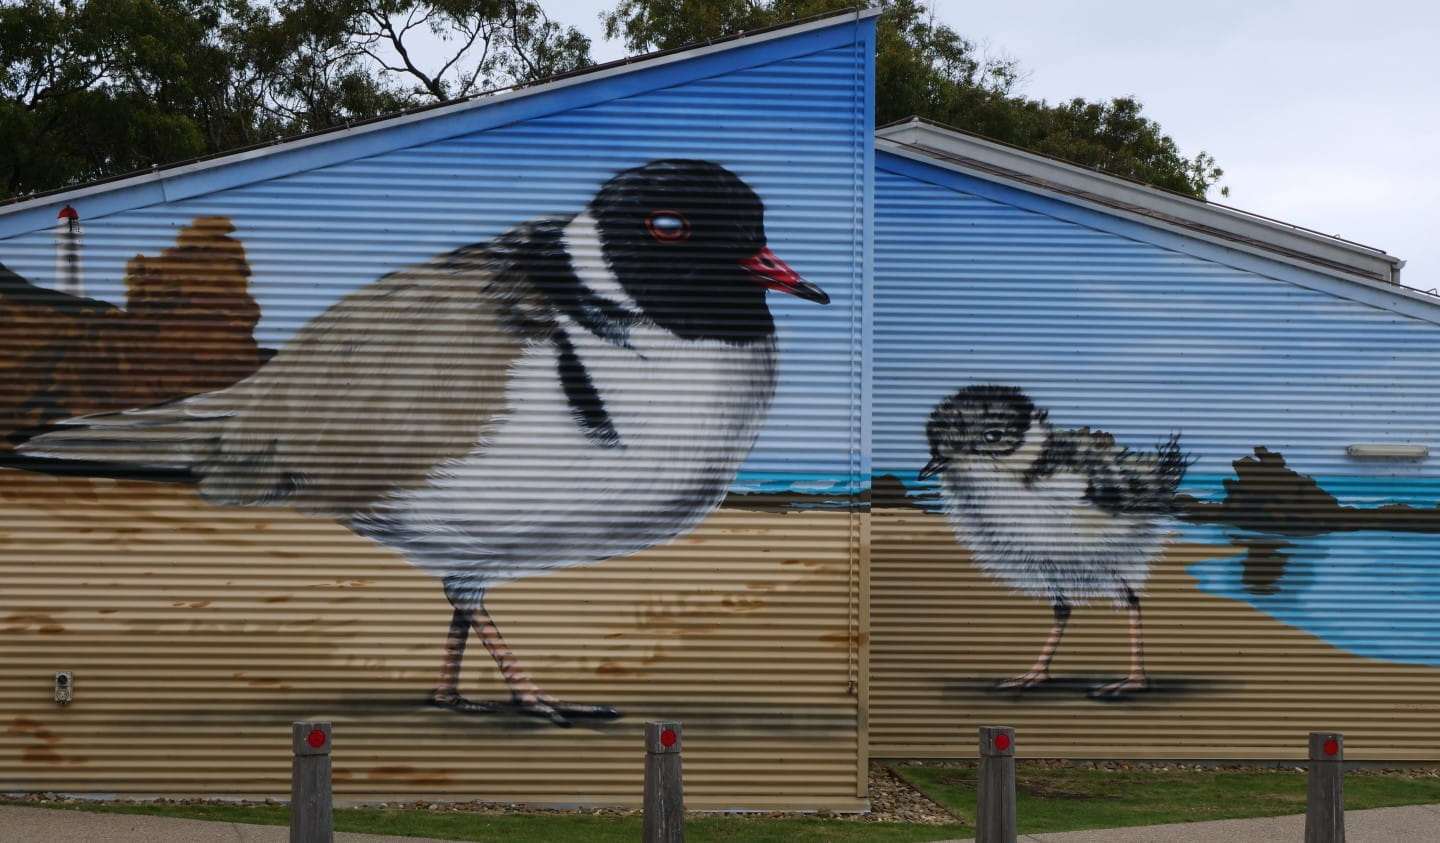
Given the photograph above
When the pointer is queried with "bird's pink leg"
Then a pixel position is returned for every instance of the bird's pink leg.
(523, 691)
(447, 689)
(522, 687)
(449, 683)
(1137, 680)
(1040, 671)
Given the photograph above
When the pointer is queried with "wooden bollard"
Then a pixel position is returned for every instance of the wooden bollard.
(311, 801)
(995, 810)
(664, 820)
(1325, 799)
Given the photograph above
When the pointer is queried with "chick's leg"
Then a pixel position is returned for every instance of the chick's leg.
(1136, 681)
(1040, 671)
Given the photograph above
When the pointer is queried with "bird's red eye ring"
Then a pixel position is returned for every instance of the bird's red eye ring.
(668, 226)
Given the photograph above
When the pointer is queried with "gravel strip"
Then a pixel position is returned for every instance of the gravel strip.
(893, 800)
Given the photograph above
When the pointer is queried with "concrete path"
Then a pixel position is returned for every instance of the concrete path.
(1410, 824)
(23, 824)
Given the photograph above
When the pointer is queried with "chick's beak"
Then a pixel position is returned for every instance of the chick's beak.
(770, 271)
(935, 466)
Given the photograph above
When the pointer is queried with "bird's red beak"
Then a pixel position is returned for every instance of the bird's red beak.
(772, 272)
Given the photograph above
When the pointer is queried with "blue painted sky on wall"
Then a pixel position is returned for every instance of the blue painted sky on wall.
(1126, 336)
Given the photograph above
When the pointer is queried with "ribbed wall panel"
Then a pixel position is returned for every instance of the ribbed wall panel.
(1254, 633)
(197, 632)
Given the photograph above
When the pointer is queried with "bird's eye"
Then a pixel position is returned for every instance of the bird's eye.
(993, 435)
(668, 226)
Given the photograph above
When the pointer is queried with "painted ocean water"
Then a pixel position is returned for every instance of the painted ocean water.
(779, 482)
(1375, 593)
(1370, 592)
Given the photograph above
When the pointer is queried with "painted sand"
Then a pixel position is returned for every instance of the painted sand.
(199, 633)
(1229, 680)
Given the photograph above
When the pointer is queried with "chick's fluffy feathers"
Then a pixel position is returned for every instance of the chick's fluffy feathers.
(1118, 480)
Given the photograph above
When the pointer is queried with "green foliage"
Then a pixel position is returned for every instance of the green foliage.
(647, 25)
(96, 88)
(88, 90)
(485, 44)
(927, 69)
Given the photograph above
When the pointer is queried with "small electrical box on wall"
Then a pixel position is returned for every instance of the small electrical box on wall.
(64, 687)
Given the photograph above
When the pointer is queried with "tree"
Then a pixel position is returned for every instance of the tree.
(96, 88)
(927, 69)
(482, 44)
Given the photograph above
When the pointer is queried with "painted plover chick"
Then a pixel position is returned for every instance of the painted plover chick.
(576, 389)
(1064, 515)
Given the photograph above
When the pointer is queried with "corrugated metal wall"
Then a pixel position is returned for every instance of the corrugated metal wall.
(197, 632)
(1287, 598)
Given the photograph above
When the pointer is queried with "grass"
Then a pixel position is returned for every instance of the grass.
(540, 828)
(1050, 796)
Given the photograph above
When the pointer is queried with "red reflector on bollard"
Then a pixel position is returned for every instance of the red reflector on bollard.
(667, 737)
(316, 738)
(1002, 741)
(1331, 747)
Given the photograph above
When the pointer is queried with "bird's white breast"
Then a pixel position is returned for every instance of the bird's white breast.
(538, 493)
(1043, 537)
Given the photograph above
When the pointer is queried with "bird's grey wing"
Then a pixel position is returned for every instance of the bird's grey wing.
(368, 397)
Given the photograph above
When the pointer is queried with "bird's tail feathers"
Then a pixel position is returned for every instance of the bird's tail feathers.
(1171, 463)
(166, 437)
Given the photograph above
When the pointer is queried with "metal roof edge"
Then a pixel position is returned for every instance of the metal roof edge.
(1135, 200)
(178, 181)
(917, 163)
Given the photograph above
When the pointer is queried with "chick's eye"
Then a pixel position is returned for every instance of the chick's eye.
(993, 435)
(668, 226)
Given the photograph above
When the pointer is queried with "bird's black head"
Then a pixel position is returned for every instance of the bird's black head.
(686, 239)
(984, 420)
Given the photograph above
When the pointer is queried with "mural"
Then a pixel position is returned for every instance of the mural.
(1065, 515)
(578, 388)
(1289, 581)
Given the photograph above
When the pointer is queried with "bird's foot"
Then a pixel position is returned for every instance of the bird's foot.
(1123, 689)
(452, 700)
(559, 711)
(1024, 681)
(546, 707)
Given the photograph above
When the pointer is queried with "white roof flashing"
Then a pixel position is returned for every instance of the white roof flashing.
(1232, 228)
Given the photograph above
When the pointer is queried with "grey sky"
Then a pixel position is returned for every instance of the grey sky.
(1322, 113)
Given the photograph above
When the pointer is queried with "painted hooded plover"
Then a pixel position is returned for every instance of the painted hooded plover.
(1064, 515)
(576, 389)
